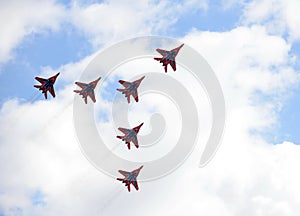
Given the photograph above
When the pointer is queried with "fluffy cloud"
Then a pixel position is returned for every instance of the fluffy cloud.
(22, 18)
(114, 20)
(280, 16)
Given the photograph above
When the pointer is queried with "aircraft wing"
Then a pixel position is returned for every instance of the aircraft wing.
(173, 65)
(52, 92)
(124, 130)
(92, 96)
(135, 95)
(124, 173)
(128, 98)
(94, 83)
(81, 85)
(176, 50)
(41, 80)
(45, 94)
(125, 83)
(135, 141)
(126, 93)
(52, 79)
(162, 52)
(135, 184)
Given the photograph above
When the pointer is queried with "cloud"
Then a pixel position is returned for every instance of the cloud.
(280, 16)
(248, 176)
(22, 18)
(111, 21)
(102, 23)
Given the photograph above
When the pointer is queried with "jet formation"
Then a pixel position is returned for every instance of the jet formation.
(130, 135)
(130, 178)
(87, 89)
(168, 57)
(47, 85)
(131, 89)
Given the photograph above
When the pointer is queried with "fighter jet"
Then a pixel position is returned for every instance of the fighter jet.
(168, 57)
(130, 135)
(47, 85)
(131, 88)
(130, 178)
(87, 89)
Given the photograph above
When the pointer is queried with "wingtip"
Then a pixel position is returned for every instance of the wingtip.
(97, 80)
(181, 46)
(137, 128)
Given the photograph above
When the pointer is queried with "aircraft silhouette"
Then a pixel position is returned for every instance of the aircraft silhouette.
(87, 89)
(130, 135)
(47, 85)
(130, 178)
(131, 88)
(168, 57)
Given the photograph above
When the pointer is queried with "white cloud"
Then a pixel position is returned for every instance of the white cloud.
(111, 21)
(22, 18)
(280, 16)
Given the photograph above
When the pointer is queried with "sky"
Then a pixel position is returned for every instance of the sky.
(253, 46)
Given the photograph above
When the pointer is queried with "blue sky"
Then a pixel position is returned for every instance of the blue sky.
(215, 18)
(40, 50)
